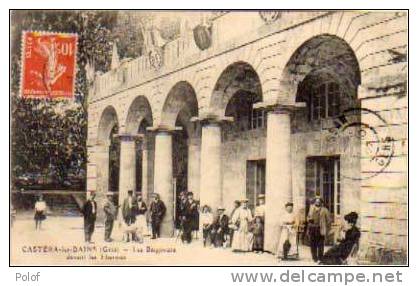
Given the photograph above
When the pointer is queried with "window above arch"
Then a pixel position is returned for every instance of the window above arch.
(324, 100)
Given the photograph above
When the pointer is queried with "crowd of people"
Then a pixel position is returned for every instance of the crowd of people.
(242, 230)
(134, 212)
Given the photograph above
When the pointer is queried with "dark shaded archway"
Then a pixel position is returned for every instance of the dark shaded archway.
(138, 119)
(114, 160)
(180, 106)
(326, 54)
(238, 80)
(108, 128)
(237, 89)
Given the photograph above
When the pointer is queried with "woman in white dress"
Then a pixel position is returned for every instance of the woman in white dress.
(141, 219)
(242, 240)
(206, 220)
(288, 234)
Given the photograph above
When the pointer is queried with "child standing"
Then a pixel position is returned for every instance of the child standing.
(258, 232)
(40, 210)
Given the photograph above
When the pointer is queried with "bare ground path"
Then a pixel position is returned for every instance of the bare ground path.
(61, 242)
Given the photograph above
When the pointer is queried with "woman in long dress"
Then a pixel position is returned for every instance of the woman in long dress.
(287, 246)
(141, 219)
(206, 221)
(242, 240)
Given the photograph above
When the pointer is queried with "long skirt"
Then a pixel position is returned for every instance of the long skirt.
(243, 239)
(141, 224)
(287, 239)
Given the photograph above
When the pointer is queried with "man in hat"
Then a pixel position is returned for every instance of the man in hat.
(189, 215)
(129, 211)
(242, 219)
(219, 228)
(110, 212)
(89, 212)
(260, 210)
(180, 207)
(319, 222)
(157, 210)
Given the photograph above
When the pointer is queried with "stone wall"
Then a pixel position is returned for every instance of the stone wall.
(379, 42)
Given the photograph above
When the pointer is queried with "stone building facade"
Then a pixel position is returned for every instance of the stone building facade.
(290, 104)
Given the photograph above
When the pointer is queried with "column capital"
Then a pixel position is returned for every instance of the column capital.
(193, 141)
(280, 107)
(128, 137)
(164, 128)
(211, 118)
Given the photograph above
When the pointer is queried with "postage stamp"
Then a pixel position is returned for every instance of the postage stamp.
(48, 65)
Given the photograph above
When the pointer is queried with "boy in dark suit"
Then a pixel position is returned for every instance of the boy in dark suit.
(157, 210)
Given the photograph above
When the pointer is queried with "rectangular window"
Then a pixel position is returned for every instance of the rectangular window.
(258, 118)
(324, 101)
(256, 180)
(316, 104)
(333, 99)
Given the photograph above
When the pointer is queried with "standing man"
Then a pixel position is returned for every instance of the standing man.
(110, 211)
(89, 212)
(157, 209)
(319, 221)
(180, 207)
(189, 215)
(129, 212)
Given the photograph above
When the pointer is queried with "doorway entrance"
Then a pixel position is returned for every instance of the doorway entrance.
(323, 179)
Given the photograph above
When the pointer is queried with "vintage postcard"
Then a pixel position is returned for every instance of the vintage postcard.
(172, 138)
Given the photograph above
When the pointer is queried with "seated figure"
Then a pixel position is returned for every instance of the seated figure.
(337, 254)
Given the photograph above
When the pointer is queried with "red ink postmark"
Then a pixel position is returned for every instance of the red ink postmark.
(48, 65)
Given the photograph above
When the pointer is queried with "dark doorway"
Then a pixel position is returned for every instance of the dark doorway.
(256, 181)
(180, 159)
(139, 146)
(114, 161)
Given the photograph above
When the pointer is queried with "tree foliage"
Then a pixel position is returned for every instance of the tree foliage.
(49, 137)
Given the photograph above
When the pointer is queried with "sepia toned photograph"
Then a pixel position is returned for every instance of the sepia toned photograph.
(208, 137)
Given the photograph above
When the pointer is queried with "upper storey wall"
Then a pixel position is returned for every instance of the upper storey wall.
(377, 39)
(229, 31)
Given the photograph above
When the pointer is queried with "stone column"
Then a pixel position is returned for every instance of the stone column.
(127, 166)
(144, 187)
(278, 173)
(163, 178)
(211, 165)
(193, 167)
